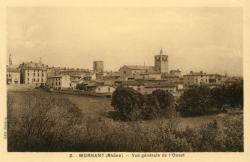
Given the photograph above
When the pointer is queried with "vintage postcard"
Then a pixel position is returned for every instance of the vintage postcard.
(125, 80)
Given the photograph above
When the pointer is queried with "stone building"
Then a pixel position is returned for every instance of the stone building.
(33, 73)
(161, 63)
(59, 82)
(98, 66)
(134, 72)
(13, 75)
(195, 78)
(175, 73)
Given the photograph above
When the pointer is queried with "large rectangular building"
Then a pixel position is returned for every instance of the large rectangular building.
(33, 73)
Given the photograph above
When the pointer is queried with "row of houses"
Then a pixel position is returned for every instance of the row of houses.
(63, 82)
(144, 79)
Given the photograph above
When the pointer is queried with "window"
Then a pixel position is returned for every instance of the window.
(42, 80)
(108, 89)
(38, 74)
(34, 80)
(124, 72)
(34, 74)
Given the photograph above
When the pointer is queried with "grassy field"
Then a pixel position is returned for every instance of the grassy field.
(100, 107)
(43, 121)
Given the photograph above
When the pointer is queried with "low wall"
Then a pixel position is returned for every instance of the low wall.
(20, 87)
(79, 92)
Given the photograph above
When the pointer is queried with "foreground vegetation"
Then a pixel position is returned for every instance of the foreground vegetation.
(42, 122)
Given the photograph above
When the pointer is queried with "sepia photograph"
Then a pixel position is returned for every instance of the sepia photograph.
(124, 79)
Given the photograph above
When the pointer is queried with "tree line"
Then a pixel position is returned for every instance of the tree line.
(195, 101)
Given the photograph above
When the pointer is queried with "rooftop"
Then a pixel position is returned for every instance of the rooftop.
(33, 65)
(57, 76)
(139, 67)
(13, 68)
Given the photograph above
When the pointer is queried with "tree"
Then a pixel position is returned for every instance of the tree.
(219, 96)
(235, 94)
(227, 95)
(195, 101)
(132, 105)
(164, 102)
(127, 102)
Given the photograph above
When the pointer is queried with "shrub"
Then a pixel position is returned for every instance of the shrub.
(42, 123)
(233, 130)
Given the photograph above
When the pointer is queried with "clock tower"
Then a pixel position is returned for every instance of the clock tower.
(161, 63)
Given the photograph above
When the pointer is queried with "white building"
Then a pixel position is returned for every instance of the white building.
(105, 89)
(195, 78)
(59, 82)
(33, 73)
(13, 75)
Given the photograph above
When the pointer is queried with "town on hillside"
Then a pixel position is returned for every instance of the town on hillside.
(144, 79)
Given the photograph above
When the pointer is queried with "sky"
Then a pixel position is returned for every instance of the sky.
(194, 38)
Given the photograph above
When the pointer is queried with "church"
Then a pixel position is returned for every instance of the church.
(131, 72)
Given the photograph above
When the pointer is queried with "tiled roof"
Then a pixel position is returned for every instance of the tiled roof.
(13, 68)
(139, 67)
(57, 76)
(33, 65)
(160, 86)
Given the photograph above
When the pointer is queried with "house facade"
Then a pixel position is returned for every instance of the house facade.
(195, 78)
(133, 72)
(104, 89)
(13, 75)
(33, 73)
(59, 82)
